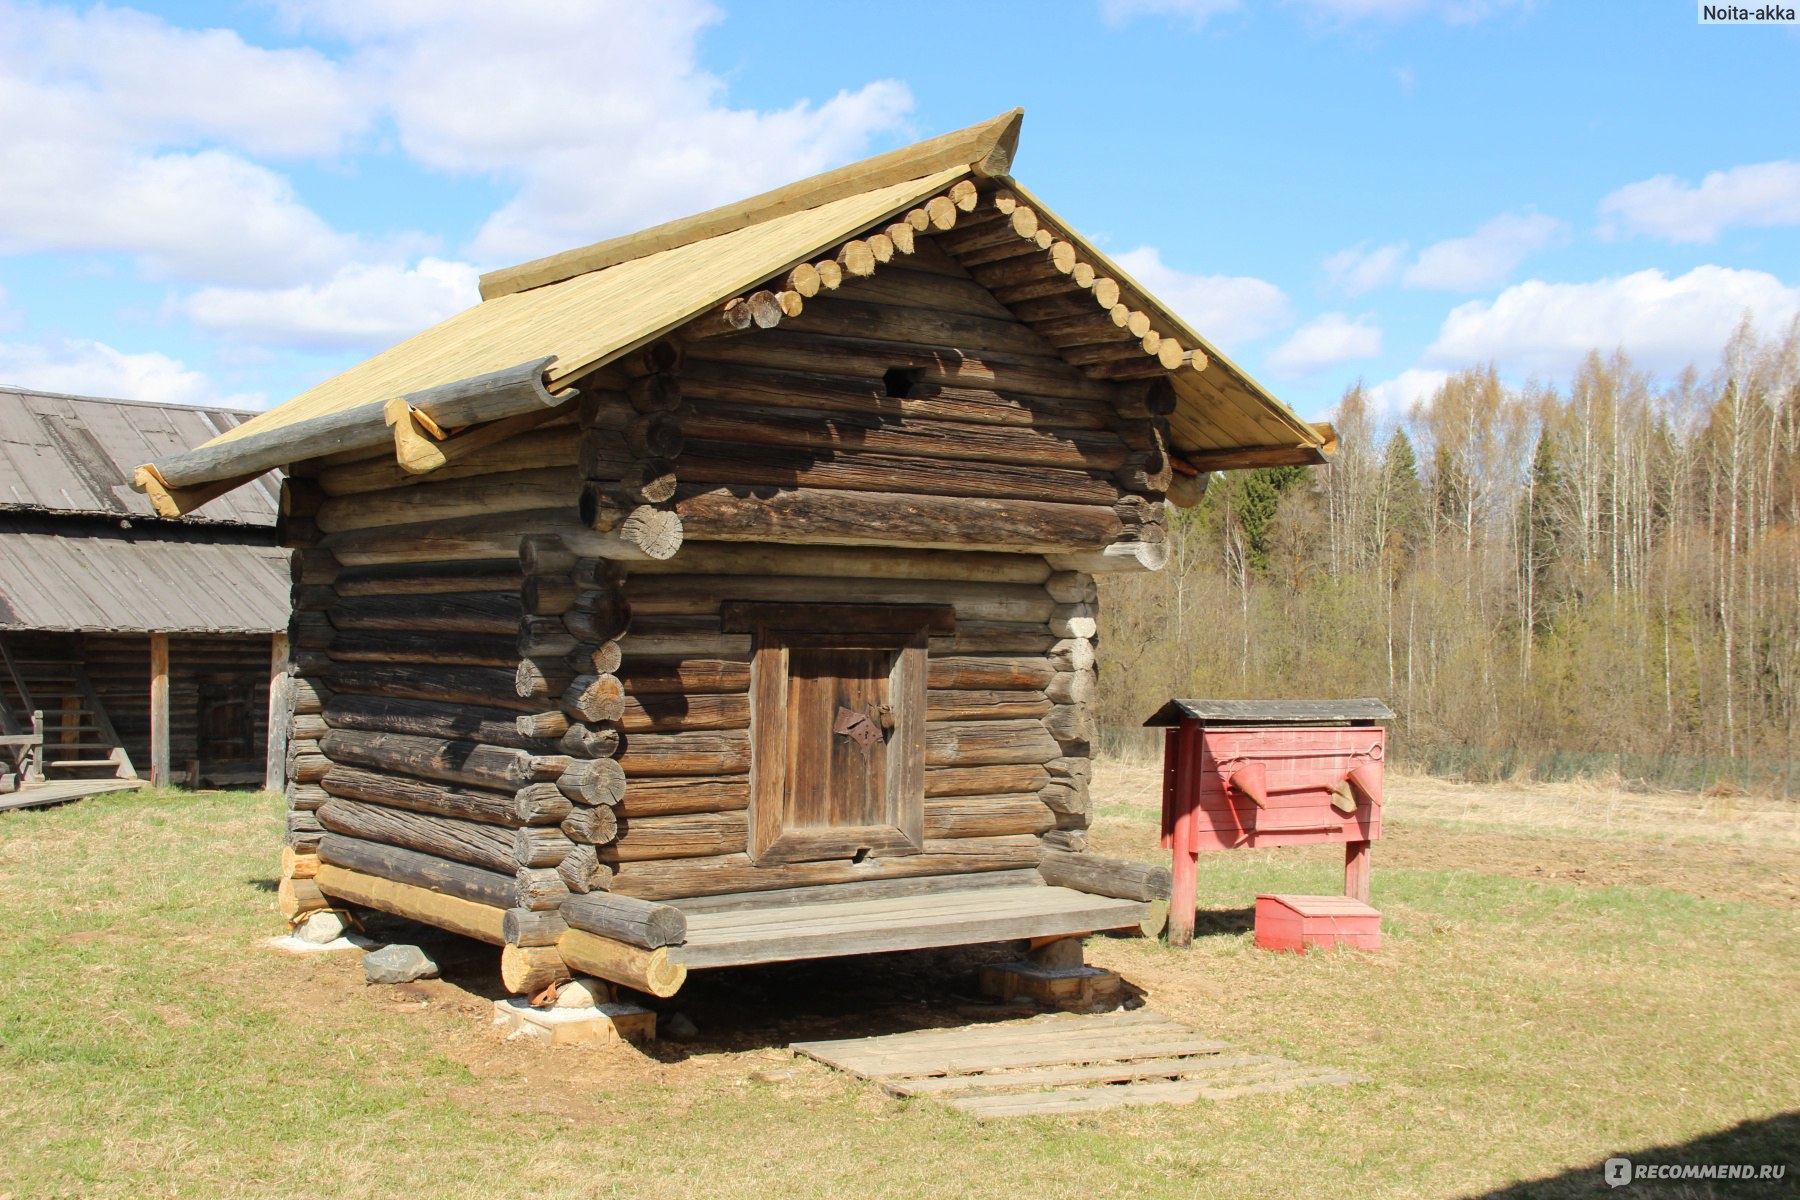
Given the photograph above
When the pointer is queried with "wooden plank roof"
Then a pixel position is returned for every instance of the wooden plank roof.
(70, 575)
(587, 307)
(76, 454)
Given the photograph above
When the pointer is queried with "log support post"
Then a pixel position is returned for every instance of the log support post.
(281, 708)
(161, 768)
(1356, 871)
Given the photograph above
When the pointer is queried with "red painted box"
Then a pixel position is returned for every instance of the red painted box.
(1296, 922)
(1248, 773)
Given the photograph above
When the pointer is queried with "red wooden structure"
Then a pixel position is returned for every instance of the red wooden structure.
(1246, 773)
(1298, 923)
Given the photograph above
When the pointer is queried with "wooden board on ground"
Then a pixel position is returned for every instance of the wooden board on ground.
(1065, 1064)
(61, 791)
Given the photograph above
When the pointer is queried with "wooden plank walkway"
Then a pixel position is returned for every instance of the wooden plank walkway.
(63, 790)
(1065, 1064)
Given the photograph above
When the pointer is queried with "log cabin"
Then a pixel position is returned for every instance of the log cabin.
(134, 648)
(725, 593)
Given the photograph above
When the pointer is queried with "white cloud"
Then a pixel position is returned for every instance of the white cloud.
(1226, 309)
(362, 307)
(600, 115)
(1325, 341)
(130, 144)
(1395, 397)
(88, 368)
(1195, 12)
(1662, 323)
(1483, 258)
(1677, 211)
(1359, 269)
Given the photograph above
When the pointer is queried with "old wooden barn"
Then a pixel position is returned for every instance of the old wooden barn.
(144, 643)
(724, 593)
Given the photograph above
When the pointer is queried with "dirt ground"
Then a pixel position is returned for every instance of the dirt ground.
(1750, 853)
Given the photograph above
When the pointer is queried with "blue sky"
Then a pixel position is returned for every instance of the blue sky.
(230, 201)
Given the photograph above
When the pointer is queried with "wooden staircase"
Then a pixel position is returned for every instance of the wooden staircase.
(79, 739)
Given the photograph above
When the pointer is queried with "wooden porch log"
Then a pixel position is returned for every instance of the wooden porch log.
(679, 878)
(708, 753)
(1101, 876)
(1002, 779)
(426, 718)
(986, 816)
(528, 970)
(786, 429)
(477, 612)
(984, 705)
(690, 835)
(417, 795)
(987, 743)
(424, 649)
(649, 971)
(627, 919)
(433, 873)
(593, 781)
(482, 687)
(487, 846)
(659, 796)
(530, 927)
(472, 763)
(876, 518)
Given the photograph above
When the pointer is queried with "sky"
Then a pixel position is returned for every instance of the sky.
(226, 203)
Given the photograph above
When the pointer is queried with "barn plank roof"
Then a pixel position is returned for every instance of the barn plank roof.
(70, 575)
(76, 455)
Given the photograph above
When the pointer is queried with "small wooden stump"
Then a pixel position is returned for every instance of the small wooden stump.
(1069, 988)
(602, 1025)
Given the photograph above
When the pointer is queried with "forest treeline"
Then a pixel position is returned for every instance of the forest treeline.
(1609, 568)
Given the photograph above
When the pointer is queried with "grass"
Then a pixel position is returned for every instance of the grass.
(1523, 1022)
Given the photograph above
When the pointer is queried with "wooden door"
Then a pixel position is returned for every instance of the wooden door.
(837, 724)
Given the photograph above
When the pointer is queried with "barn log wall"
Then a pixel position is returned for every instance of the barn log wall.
(513, 683)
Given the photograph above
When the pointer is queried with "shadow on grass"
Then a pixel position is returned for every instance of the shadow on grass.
(1224, 922)
(263, 885)
(1773, 1141)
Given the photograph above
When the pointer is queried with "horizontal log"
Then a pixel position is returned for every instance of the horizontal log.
(453, 913)
(984, 705)
(648, 677)
(671, 713)
(678, 878)
(627, 919)
(424, 649)
(986, 816)
(493, 888)
(426, 718)
(690, 835)
(529, 970)
(1120, 556)
(993, 637)
(1001, 779)
(693, 595)
(1100, 876)
(842, 317)
(710, 753)
(513, 491)
(307, 695)
(306, 768)
(473, 763)
(478, 845)
(462, 612)
(481, 687)
(418, 795)
(546, 637)
(656, 796)
(547, 595)
(549, 725)
(724, 462)
(496, 536)
(550, 445)
(540, 846)
(430, 579)
(984, 743)
(309, 725)
(877, 518)
(304, 797)
(649, 971)
(791, 429)
(811, 562)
